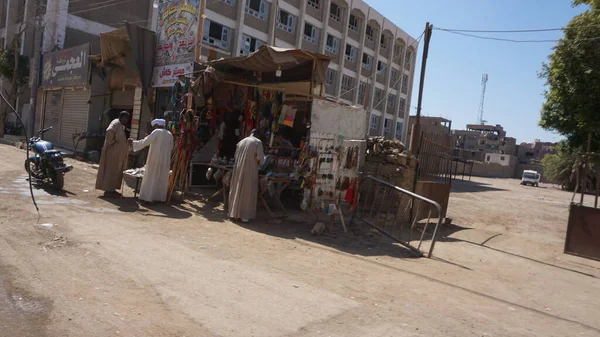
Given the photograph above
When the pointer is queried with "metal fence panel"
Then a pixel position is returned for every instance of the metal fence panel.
(583, 232)
(394, 212)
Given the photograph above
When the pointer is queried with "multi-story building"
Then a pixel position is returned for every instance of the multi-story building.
(64, 24)
(438, 126)
(478, 140)
(534, 152)
(372, 60)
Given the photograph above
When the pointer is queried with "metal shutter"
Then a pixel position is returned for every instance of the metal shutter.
(75, 115)
(53, 115)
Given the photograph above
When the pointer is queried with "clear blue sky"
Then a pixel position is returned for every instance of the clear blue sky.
(453, 80)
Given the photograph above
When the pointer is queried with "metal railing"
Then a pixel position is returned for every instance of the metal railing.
(396, 212)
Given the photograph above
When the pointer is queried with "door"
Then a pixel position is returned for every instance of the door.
(75, 113)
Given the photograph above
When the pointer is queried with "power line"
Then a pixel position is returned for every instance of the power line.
(382, 69)
(512, 40)
(516, 30)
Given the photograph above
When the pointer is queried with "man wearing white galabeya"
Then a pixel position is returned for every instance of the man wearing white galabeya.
(158, 163)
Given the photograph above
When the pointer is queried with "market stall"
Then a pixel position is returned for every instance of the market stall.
(311, 145)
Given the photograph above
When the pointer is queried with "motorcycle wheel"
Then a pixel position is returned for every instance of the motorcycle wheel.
(58, 180)
(30, 166)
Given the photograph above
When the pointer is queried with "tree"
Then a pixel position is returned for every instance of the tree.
(15, 68)
(572, 106)
(561, 167)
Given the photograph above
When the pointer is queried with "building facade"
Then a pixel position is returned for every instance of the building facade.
(372, 60)
(478, 140)
(437, 126)
(534, 152)
(65, 24)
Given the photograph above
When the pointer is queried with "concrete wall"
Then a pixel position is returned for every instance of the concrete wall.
(490, 170)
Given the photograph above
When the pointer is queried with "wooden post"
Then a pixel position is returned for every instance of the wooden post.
(200, 33)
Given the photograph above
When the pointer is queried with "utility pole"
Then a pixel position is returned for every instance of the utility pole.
(415, 136)
(34, 65)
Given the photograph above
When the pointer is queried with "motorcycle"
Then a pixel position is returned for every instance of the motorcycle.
(47, 163)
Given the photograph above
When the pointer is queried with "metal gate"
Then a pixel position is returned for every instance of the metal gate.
(75, 112)
(53, 115)
(389, 209)
(583, 229)
(435, 158)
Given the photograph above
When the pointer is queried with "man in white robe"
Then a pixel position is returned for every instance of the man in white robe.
(243, 193)
(158, 163)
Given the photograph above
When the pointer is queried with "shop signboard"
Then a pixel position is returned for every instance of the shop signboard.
(177, 31)
(166, 76)
(67, 67)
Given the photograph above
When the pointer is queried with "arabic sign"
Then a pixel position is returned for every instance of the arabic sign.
(166, 76)
(66, 68)
(177, 31)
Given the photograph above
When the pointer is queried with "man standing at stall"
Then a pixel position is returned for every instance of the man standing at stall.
(114, 157)
(243, 194)
(158, 163)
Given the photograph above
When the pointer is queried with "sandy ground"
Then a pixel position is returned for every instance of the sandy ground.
(95, 267)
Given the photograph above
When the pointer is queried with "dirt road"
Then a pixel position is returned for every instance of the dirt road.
(95, 267)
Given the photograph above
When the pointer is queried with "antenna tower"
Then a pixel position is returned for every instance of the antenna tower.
(484, 79)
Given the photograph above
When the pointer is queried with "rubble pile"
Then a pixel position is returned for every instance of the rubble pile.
(380, 150)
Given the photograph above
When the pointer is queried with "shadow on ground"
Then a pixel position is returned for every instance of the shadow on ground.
(459, 186)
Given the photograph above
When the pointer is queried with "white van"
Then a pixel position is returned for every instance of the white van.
(530, 178)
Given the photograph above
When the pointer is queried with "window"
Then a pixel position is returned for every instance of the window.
(481, 142)
(398, 49)
(367, 61)
(332, 44)
(408, 60)
(216, 34)
(502, 158)
(370, 33)
(399, 127)
(353, 23)
(250, 44)
(257, 8)
(310, 33)
(404, 84)
(402, 107)
(330, 77)
(314, 3)
(362, 91)
(350, 53)
(395, 78)
(378, 98)
(286, 21)
(381, 67)
(229, 2)
(387, 125)
(489, 158)
(384, 41)
(375, 122)
(347, 84)
(391, 101)
(335, 12)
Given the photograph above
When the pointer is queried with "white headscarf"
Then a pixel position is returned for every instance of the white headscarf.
(158, 122)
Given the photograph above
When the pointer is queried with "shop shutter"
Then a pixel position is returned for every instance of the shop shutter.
(74, 116)
(53, 115)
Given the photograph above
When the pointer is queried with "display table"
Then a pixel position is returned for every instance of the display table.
(262, 194)
(284, 183)
(134, 181)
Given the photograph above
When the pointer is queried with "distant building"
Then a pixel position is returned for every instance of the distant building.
(477, 141)
(534, 152)
(430, 125)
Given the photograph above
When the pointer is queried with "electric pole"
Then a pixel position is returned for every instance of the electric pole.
(415, 136)
(34, 65)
